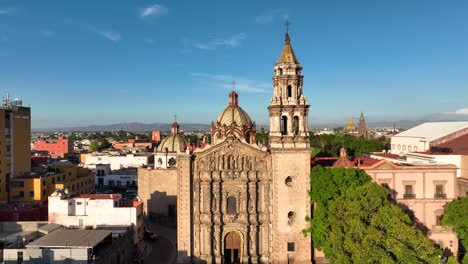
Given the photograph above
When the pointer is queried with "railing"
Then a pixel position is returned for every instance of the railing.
(409, 196)
(440, 196)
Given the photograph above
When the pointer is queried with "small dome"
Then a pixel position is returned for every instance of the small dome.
(350, 125)
(174, 142)
(234, 113)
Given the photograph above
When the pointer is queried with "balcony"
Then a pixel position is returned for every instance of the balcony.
(409, 196)
(440, 196)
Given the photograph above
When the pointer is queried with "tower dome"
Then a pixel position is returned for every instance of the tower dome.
(174, 142)
(233, 120)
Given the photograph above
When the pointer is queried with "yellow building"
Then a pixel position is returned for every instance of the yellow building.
(38, 186)
(350, 127)
(15, 138)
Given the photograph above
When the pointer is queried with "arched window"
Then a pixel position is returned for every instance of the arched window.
(231, 205)
(280, 71)
(159, 161)
(415, 148)
(288, 181)
(296, 125)
(289, 91)
(409, 148)
(284, 125)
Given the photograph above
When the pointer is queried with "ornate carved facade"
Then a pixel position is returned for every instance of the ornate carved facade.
(238, 202)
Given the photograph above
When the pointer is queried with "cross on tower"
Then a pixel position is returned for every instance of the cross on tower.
(233, 83)
(287, 23)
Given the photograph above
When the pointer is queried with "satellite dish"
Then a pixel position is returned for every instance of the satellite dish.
(66, 191)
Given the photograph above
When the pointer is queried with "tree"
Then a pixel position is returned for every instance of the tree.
(367, 228)
(327, 185)
(93, 146)
(355, 222)
(455, 216)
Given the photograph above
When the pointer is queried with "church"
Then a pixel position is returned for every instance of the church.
(236, 201)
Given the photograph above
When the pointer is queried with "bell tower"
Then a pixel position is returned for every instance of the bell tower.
(288, 107)
(290, 153)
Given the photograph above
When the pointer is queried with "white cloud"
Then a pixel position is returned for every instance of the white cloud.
(230, 42)
(225, 81)
(269, 16)
(110, 35)
(8, 11)
(461, 111)
(46, 33)
(149, 40)
(153, 10)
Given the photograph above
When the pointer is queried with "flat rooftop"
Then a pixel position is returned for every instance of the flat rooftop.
(433, 130)
(66, 238)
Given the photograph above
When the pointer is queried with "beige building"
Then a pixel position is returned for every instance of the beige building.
(237, 202)
(15, 139)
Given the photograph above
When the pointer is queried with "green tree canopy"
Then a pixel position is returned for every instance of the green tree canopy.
(367, 228)
(456, 217)
(355, 222)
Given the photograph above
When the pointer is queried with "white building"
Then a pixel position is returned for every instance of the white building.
(421, 138)
(116, 160)
(96, 211)
(121, 177)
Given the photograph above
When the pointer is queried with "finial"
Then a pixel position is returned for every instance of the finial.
(287, 23)
(233, 83)
(175, 118)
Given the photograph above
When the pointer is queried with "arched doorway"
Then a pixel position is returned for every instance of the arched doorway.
(232, 248)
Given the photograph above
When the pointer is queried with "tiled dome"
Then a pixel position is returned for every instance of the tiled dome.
(234, 114)
(174, 142)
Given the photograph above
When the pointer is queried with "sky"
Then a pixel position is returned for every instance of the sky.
(89, 62)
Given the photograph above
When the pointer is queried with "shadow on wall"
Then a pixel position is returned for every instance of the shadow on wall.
(162, 208)
(183, 258)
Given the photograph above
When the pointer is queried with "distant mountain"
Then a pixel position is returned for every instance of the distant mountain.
(138, 127)
(133, 127)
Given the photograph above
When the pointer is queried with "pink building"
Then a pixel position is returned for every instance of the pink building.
(60, 148)
(421, 190)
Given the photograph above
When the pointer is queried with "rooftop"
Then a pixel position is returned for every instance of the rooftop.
(100, 196)
(433, 130)
(65, 238)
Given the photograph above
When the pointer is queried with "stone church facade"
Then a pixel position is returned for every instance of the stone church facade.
(238, 202)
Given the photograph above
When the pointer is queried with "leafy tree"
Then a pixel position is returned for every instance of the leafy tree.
(355, 222)
(327, 185)
(456, 217)
(93, 146)
(367, 228)
(330, 145)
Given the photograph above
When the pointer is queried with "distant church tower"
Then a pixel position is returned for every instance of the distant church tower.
(362, 129)
(290, 151)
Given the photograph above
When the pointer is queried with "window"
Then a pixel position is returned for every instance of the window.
(404, 147)
(296, 125)
(393, 146)
(409, 192)
(172, 162)
(439, 219)
(415, 148)
(440, 192)
(43, 182)
(409, 148)
(43, 193)
(399, 147)
(19, 256)
(289, 91)
(231, 205)
(291, 217)
(31, 193)
(79, 203)
(288, 181)
(284, 125)
(291, 246)
(21, 194)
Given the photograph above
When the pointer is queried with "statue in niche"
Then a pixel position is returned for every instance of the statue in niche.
(248, 164)
(213, 164)
(220, 163)
(232, 162)
(251, 205)
(215, 244)
(252, 243)
(214, 206)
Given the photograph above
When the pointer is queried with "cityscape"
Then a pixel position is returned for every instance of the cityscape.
(179, 148)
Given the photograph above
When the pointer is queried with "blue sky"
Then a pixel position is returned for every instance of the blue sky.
(102, 62)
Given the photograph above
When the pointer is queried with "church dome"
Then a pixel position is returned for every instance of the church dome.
(234, 114)
(350, 126)
(174, 142)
